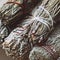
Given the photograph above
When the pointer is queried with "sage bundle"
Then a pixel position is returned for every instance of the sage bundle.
(51, 50)
(11, 13)
(13, 9)
(21, 47)
(35, 30)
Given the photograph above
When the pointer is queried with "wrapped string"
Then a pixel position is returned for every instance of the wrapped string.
(35, 29)
(10, 12)
(51, 50)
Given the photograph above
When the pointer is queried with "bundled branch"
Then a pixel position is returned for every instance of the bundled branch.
(35, 30)
(14, 44)
(13, 9)
(43, 53)
(51, 51)
(11, 13)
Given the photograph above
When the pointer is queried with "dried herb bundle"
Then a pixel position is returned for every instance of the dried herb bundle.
(43, 53)
(11, 13)
(35, 30)
(12, 9)
(52, 49)
(15, 44)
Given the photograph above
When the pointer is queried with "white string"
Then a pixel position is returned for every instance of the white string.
(42, 21)
(42, 8)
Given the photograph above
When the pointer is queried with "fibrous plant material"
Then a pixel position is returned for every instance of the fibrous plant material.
(51, 50)
(54, 39)
(43, 53)
(35, 30)
(3, 32)
(12, 9)
(16, 46)
(21, 47)
(11, 13)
